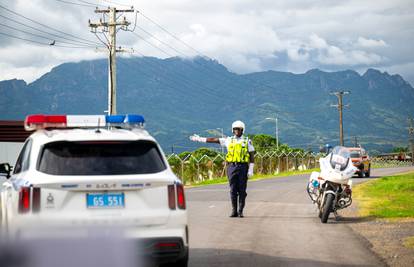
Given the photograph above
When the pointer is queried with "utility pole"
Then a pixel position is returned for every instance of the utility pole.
(276, 131)
(411, 138)
(340, 106)
(111, 27)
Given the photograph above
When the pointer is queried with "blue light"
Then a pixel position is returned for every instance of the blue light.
(315, 183)
(131, 120)
(115, 118)
(134, 119)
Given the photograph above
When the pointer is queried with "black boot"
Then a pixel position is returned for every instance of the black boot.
(234, 208)
(241, 207)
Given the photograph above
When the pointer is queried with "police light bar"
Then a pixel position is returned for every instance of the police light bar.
(35, 122)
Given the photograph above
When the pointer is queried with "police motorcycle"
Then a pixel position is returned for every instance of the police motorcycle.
(331, 189)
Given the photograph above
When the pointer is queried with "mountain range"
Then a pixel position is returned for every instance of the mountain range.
(179, 97)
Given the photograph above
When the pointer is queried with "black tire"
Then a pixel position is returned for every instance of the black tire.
(183, 262)
(327, 207)
(360, 174)
(368, 173)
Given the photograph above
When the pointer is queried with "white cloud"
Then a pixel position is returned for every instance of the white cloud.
(364, 42)
(317, 42)
(240, 34)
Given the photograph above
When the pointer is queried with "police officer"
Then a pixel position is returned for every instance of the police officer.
(240, 163)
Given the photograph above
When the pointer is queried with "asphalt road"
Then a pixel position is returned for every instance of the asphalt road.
(280, 228)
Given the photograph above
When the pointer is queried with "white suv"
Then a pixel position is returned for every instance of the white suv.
(97, 170)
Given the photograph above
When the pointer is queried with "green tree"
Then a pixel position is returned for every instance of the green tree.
(263, 142)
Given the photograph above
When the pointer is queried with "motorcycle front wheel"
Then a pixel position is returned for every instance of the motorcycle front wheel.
(327, 207)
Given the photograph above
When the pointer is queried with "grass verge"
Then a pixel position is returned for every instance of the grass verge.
(223, 180)
(387, 197)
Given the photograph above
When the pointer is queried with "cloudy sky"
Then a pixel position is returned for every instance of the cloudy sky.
(245, 36)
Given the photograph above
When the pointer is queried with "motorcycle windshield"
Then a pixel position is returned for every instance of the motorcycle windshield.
(339, 158)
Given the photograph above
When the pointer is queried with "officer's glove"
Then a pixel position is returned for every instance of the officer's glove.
(197, 138)
(250, 171)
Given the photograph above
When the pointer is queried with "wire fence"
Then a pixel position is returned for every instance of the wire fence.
(389, 163)
(193, 169)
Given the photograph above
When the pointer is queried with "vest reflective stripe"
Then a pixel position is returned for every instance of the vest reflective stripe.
(238, 151)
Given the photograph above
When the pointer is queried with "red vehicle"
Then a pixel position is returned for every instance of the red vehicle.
(361, 160)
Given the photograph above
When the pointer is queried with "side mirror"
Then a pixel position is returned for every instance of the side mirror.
(5, 169)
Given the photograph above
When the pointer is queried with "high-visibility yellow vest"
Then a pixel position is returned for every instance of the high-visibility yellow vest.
(238, 151)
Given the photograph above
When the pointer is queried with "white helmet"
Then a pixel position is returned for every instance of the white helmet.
(238, 124)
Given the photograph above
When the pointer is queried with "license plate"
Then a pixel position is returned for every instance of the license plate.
(105, 200)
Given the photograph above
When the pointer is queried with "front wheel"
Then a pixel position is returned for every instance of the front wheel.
(327, 207)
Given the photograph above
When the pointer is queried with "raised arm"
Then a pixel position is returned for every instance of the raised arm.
(197, 138)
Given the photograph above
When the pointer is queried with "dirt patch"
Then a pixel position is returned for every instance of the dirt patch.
(389, 238)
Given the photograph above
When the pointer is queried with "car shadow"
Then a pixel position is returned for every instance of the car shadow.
(227, 257)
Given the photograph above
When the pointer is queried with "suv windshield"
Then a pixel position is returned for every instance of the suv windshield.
(355, 154)
(100, 158)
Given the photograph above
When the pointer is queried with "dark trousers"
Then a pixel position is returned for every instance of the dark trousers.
(237, 175)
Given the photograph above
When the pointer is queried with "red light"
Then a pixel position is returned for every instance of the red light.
(35, 119)
(34, 122)
(171, 197)
(24, 200)
(180, 196)
(167, 245)
(56, 119)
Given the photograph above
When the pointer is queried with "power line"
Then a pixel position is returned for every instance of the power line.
(197, 51)
(206, 67)
(68, 34)
(116, 3)
(168, 54)
(32, 41)
(172, 81)
(92, 4)
(40, 36)
(217, 75)
(73, 3)
(183, 79)
(45, 32)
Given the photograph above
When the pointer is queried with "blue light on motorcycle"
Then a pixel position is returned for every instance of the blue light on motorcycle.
(315, 183)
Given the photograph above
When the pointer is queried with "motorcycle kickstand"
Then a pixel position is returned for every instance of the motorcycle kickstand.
(337, 216)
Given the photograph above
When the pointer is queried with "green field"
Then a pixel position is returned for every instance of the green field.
(387, 197)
